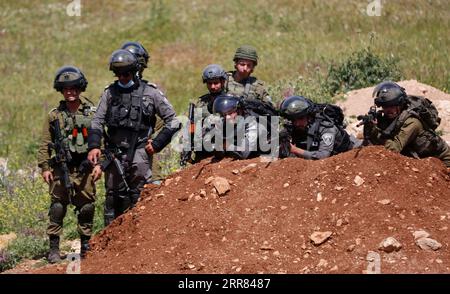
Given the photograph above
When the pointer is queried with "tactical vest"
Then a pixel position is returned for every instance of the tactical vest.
(126, 110)
(342, 140)
(427, 143)
(74, 127)
(251, 88)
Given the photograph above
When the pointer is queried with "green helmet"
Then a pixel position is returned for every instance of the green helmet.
(123, 61)
(139, 51)
(224, 104)
(389, 94)
(246, 52)
(69, 76)
(213, 71)
(295, 107)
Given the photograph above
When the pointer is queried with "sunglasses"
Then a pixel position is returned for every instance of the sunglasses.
(123, 74)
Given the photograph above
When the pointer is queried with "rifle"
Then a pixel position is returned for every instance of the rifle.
(111, 157)
(62, 155)
(285, 140)
(366, 121)
(186, 155)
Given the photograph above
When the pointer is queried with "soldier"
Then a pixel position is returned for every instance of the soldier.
(241, 132)
(401, 128)
(240, 82)
(67, 172)
(142, 56)
(310, 134)
(128, 109)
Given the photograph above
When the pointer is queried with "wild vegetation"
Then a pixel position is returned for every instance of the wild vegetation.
(316, 48)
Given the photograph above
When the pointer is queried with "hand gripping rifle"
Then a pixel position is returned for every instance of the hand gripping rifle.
(62, 155)
(186, 155)
(111, 157)
(366, 121)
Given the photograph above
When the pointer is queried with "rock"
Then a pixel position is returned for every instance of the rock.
(428, 244)
(235, 171)
(285, 185)
(159, 195)
(384, 201)
(415, 170)
(283, 207)
(222, 186)
(319, 197)
(202, 193)
(339, 223)
(177, 179)
(6, 239)
(389, 245)
(197, 197)
(339, 188)
(320, 237)
(358, 181)
(251, 166)
(421, 234)
(167, 182)
(209, 180)
(351, 248)
(183, 198)
(276, 253)
(322, 263)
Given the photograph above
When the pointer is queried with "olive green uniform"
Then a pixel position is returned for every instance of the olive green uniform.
(82, 195)
(250, 88)
(410, 138)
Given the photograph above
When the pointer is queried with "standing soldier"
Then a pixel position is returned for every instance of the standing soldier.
(68, 172)
(128, 109)
(240, 82)
(142, 56)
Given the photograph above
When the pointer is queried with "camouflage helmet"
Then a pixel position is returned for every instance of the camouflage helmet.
(294, 107)
(388, 94)
(139, 51)
(213, 71)
(224, 104)
(69, 76)
(123, 61)
(246, 52)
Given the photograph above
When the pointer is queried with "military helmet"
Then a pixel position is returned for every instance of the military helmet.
(294, 107)
(213, 71)
(388, 94)
(246, 52)
(69, 76)
(224, 104)
(123, 61)
(139, 51)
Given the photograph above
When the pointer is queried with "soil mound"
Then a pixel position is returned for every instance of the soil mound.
(289, 216)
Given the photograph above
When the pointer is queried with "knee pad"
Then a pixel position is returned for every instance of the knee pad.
(86, 214)
(57, 212)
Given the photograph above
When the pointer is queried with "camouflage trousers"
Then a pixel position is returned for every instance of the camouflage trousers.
(82, 196)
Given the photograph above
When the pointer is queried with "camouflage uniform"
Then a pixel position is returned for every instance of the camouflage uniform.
(250, 88)
(83, 194)
(409, 138)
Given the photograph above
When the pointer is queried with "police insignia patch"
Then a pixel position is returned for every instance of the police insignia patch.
(328, 139)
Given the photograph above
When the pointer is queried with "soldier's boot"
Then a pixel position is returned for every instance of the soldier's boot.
(84, 245)
(53, 255)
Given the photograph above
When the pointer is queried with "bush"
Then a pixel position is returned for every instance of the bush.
(361, 69)
(24, 247)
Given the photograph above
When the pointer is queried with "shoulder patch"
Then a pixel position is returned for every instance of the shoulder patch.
(328, 139)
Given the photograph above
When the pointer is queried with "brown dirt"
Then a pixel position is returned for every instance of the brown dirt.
(358, 102)
(264, 223)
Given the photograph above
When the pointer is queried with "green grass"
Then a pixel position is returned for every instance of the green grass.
(297, 41)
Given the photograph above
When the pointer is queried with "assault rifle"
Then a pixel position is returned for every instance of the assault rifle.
(366, 121)
(111, 157)
(186, 155)
(62, 155)
(285, 140)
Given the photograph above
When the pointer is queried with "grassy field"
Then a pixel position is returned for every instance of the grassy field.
(296, 41)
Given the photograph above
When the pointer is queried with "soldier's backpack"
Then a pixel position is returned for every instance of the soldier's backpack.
(333, 112)
(424, 110)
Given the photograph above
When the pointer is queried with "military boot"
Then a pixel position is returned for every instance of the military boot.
(53, 255)
(84, 245)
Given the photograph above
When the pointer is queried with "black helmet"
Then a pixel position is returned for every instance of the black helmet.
(224, 104)
(388, 94)
(69, 76)
(294, 107)
(139, 51)
(213, 71)
(123, 61)
(246, 52)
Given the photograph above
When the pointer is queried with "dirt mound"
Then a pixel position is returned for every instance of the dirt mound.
(267, 221)
(358, 102)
